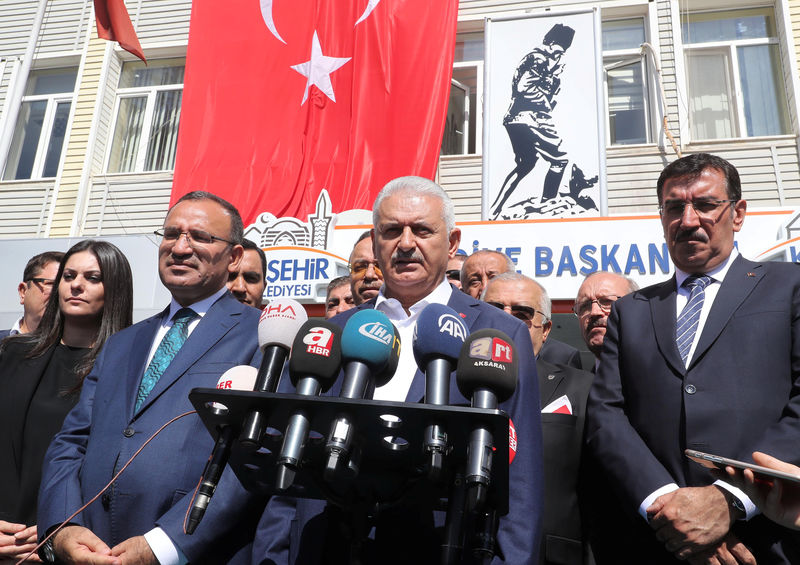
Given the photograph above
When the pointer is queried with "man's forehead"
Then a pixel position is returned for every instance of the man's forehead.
(202, 210)
(710, 179)
(362, 250)
(518, 290)
(603, 285)
(485, 260)
(404, 207)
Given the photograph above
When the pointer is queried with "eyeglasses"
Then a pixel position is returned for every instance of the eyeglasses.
(584, 308)
(359, 269)
(172, 235)
(46, 283)
(524, 313)
(704, 208)
(453, 274)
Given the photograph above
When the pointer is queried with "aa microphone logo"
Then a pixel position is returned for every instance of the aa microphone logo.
(491, 349)
(376, 331)
(451, 325)
(319, 341)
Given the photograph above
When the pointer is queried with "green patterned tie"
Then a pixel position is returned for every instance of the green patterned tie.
(170, 344)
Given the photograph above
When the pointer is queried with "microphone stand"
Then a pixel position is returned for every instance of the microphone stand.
(453, 543)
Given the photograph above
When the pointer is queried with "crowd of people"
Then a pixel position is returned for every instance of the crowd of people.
(707, 360)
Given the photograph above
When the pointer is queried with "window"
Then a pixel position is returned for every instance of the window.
(626, 82)
(461, 127)
(148, 112)
(41, 127)
(734, 75)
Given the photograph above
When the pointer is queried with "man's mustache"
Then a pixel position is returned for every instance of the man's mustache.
(412, 257)
(694, 234)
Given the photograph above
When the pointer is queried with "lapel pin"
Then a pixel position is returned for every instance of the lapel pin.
(751, 274)
(462, 314)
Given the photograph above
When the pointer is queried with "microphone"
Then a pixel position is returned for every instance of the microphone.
(279, 323)
(368, 341)
(241, 377)
(487, 373)
(438, 337)
(385, 375)
(313, 367)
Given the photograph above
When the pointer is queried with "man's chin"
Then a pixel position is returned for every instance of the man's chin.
(369, 294)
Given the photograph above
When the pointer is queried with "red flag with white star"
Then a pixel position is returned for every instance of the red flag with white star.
(283, 98)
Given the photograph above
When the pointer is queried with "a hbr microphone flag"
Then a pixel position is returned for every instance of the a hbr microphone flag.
(283, 98)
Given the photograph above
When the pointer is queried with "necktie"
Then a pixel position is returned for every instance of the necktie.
(170, 345)
(690, 316)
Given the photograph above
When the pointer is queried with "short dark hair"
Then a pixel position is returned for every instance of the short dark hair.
(237, 226)
(38, 262)
(336, 283)
(248, 244)
(692, 166)
(362, 237)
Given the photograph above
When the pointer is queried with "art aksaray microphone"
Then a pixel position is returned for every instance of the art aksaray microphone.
(438, 337)
(313, 367)
(241, 377)
(368, 341)
(279, 323)
(487, 373)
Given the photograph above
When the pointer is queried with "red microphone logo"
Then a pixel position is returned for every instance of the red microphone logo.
(319, 341)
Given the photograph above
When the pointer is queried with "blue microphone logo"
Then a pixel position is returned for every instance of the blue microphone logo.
(452, 326)
(376, 331)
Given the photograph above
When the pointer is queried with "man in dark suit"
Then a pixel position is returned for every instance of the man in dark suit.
(559, 353)
(140, 381)
(710, 365)
(562, 392)
(414, 235)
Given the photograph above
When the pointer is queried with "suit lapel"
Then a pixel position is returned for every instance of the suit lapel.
(741, 279)
(663, 308)
(550, 378)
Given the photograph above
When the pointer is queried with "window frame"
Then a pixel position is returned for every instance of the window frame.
(150, 93)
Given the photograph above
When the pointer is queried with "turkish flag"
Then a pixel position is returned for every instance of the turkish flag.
(114, 24)
(283, 98)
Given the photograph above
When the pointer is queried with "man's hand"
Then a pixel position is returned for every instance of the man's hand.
(135, 551)
(778, 499)
(79, 546)
(16, 541)
(690, 520)
(730, 551)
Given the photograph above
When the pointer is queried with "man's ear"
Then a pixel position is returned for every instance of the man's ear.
(237, 252)
(21, 289)
(455, 240)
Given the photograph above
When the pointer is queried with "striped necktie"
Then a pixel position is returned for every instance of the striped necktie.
(690, 315)
(170, 344)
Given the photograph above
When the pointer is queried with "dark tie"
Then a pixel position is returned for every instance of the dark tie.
(170, 345)
(690, 316)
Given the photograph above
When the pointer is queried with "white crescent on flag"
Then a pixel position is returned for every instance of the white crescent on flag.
(266, 13)
(367, 11)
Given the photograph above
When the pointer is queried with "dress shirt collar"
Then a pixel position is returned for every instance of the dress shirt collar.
(392, 307)
(200, 307)
(717, 274)
(15, 328)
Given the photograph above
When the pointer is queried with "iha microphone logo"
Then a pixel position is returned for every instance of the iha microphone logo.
(376, 331)
(491, 349)
(318, 341)
(278, 310)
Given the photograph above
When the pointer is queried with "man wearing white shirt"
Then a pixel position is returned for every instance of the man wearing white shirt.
(707, 360)
(140, 381)
(414, 234)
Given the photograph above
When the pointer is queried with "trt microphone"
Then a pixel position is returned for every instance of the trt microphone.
(487, 373)
(313, 367)
(241, 377)
(438, 337)
(279, 323)
(367, 344)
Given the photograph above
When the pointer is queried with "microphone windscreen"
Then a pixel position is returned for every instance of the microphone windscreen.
(368, 337)
(488, 360)
(241, 377)
(385, 375)
(317, 353)
(438, 334)
(279, 323)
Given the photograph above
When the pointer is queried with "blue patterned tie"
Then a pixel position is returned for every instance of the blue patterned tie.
(170, 344)
(690, 315)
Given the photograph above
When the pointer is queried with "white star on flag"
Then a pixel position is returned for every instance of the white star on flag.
(318, 70)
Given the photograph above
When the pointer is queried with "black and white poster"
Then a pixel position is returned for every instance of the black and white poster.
(544, 138)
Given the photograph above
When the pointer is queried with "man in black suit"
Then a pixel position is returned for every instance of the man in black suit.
(707, 360)
(562, 394)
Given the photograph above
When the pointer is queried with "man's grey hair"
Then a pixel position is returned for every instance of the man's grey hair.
(632, 284)
(420, 186)
(545, 305)
(510, 266)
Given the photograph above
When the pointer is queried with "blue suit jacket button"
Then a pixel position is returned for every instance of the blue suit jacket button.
(128, 432)
(690, 389)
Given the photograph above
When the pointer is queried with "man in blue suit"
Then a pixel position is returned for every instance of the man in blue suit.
(140, 381)
(708, 360)
(414, 235)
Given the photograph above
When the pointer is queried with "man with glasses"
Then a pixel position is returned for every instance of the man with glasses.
(34, 291)
(596, 294)
(562, 400)
(707, 360)
(141, 381)
(366, 277)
